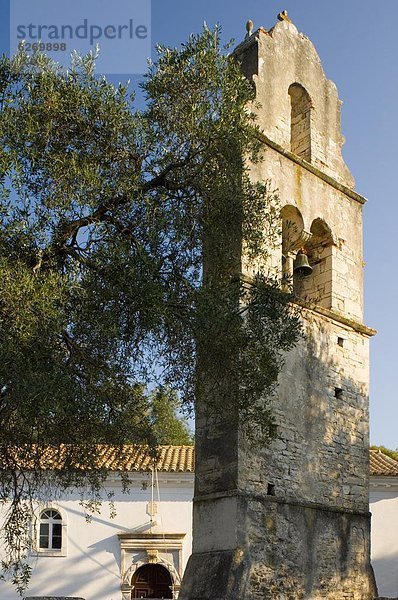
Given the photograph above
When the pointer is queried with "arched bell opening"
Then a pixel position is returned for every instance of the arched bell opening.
(152, 581)
(292, 234)
(300, 121)
(313, 265)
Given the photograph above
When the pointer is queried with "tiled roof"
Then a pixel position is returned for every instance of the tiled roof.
(130, 458)
(171, 459)
(381, 464)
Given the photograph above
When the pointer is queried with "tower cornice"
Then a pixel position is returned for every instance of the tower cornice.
(335, 316)
(312, 169)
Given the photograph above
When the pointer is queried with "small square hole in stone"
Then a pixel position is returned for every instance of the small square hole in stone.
(338, 393)
(340, 341)
(271, 489)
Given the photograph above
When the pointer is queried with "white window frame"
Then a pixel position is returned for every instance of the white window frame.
(38, 520)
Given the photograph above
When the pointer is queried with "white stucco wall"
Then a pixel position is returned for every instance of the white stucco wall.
(383, 502)
(91, 568)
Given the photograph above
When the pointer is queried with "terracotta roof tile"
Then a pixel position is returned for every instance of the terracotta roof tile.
(130, 458)
(171, 459)
(381, 464)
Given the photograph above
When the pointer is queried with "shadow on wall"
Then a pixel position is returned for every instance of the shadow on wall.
(303, 501)
(69, 585)
(303, 509)
(386, 572)
(316, 536)
(104, 546)
(321, 452)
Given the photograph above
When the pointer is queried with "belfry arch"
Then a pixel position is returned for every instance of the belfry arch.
(300, 121)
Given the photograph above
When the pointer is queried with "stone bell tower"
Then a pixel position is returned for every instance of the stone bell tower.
(291, 521)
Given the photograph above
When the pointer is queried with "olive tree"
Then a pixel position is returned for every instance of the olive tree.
(121, 237)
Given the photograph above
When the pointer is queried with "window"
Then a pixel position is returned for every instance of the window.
(51, 528)
(339, 393)
(50, 536)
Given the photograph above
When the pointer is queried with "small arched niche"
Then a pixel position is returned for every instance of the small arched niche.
(300, 121)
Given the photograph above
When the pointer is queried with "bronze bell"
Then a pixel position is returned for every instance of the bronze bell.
(301, 266)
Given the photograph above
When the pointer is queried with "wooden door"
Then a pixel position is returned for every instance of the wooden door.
(152, 581)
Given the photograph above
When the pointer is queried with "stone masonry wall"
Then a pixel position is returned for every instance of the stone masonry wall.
(283, 551)
(321, 409)
(309, 553)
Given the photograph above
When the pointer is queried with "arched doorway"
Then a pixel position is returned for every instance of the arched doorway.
(151, 581)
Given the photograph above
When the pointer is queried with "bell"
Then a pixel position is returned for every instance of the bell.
(301, 266)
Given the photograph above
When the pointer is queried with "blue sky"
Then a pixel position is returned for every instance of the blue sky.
(358, 46)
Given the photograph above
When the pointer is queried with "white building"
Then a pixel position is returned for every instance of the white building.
(383, 500)
(139, 552)
(144, 548)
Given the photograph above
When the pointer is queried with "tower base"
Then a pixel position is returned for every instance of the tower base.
(286, 550)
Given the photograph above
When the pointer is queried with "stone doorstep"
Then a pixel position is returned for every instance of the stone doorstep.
(53, 598)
